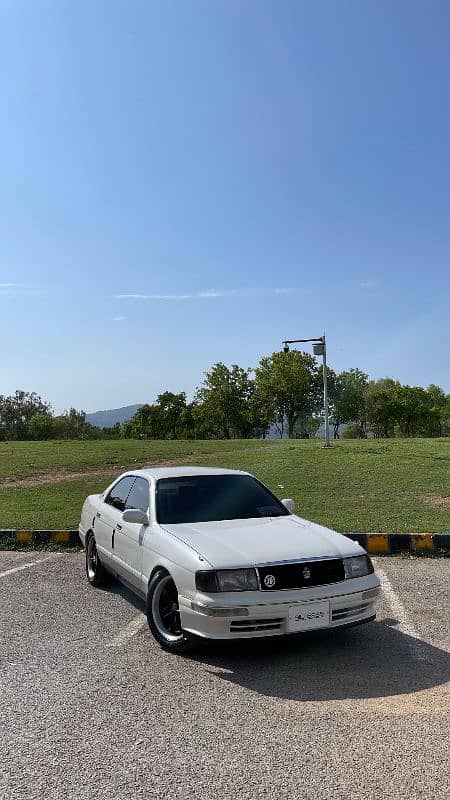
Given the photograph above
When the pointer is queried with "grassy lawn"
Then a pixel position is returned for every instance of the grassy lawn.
(394, 485)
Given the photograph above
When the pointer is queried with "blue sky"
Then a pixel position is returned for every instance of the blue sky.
(255, 170)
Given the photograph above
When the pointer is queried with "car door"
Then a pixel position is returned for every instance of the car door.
(109, 515)
(129, 536)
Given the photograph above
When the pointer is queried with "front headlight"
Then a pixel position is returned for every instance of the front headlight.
(226, 580)
(237, 580)
(357, 566)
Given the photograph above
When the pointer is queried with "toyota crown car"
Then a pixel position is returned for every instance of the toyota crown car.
(216, 555)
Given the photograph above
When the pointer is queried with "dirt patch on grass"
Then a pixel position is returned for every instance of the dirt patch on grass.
(436, 500)
(58, 476)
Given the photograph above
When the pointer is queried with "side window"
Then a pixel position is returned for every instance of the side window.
(139, 496)
(118, 495)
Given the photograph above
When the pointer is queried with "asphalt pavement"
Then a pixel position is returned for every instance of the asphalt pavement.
(90, 707)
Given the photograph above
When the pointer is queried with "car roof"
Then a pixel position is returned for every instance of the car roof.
(182, 472)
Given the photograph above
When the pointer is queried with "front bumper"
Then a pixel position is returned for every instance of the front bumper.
(82, 535)
(350, 603)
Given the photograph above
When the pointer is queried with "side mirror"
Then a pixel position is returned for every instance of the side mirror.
(135, 515)
(289, 504)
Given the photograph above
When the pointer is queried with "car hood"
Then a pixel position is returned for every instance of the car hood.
(246, 542)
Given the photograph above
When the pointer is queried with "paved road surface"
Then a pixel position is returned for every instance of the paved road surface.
(90, 707)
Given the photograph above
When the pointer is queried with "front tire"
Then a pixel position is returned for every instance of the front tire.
(163, 615)
(95, 571)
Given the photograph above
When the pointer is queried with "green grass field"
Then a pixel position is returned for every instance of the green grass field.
(394, 485)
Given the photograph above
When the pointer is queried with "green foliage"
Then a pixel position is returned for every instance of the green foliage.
(405, 410)
(386, 408)
(307, 427)
(17, 411)
(352, 431)
(438, 423)
(382, 406)
(25, 415)
(348, 400)
(224, 401)
(42, 426)
(172, 408)
(288, 386)
(286, 391)
(147, 423)
(413, 408)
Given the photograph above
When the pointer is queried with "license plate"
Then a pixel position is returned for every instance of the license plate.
(308, 616)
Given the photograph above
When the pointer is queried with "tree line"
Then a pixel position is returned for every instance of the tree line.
(25, 415)
(283, 394)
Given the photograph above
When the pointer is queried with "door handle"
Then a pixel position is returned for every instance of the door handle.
(98, 515)
(119, 526)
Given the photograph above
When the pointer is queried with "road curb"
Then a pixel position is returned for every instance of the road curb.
(394, 543)
(374, 543)
(66, 538)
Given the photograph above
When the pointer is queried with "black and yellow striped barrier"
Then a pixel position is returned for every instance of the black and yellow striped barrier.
(392, 543)
(40, 537)
(374, 543)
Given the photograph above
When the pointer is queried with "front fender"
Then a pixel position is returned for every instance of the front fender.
(161, 549)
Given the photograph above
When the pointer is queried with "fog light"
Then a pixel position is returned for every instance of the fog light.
(219, 611)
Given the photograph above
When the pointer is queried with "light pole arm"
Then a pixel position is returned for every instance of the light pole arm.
(296, 341)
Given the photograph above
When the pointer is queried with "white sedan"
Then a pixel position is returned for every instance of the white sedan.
(216, 555)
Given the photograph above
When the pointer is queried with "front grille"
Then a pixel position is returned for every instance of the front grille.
(301, 575)
(250, 625)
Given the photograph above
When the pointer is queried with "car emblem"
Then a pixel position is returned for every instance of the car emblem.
(306, 573)
(269, 581)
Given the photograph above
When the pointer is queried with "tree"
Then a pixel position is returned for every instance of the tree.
(73, 425)
(288, 386)
(347, 399)
(307, 427)
(225, 401)
(147, 423)
(382, 407)
(352, 431)
(438, 412)
(188, 421)
(17, 411)
(172, 408)
(42, 427)
(260, 416)
(113, 432)
(446, 416)
(414, 412)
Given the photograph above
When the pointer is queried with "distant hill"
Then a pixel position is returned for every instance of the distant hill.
(106, 419)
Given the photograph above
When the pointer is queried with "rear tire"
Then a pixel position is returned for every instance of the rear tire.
(163, 615)
(95, 571)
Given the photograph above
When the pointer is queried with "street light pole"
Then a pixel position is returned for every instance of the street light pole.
(319, 349)
(325, 393)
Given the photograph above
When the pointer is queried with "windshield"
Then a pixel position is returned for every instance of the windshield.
(209, 498)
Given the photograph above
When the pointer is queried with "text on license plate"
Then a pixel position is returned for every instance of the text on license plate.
(309, 615)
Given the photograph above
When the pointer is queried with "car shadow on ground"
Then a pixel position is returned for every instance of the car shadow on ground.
(374, 660)
(368, 661)
(115, 586)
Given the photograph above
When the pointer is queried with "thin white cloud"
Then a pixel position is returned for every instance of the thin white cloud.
(369, 284)
(153, 296)
(207, 294)
(216, 293)
(7, 289)
(119, 319)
